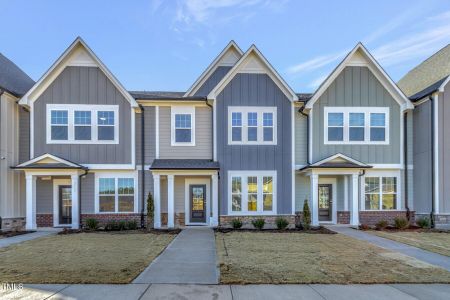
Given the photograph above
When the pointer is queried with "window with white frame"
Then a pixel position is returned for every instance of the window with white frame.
(82, 124)
(252, 192)
(183, 125)
(380, 192)
(252, 125)
(356, 125)
(116, 194)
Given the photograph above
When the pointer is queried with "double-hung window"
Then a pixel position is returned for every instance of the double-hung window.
(356, 125)
(252, 125)
(82, 124)
(252, 192)
(116, 194)
(381, 192)
(183, 125)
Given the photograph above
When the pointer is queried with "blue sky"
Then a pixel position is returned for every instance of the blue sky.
(165, 45)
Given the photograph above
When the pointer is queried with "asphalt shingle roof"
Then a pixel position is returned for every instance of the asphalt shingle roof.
(13, 79)
(184, 164)
(163, 95)
(428, 90)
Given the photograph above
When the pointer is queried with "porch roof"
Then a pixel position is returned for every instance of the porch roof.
(337, 161)
(48, 161)
(184, 164)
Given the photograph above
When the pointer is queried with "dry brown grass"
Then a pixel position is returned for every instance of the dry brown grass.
(250, 257)
(438, 242)
(81, 258)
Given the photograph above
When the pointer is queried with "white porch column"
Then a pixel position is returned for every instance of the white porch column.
(215, 200)
(314, 207)
(157, 200)
(170, 202)
(354, 218)
(30, 202)
(75, 202)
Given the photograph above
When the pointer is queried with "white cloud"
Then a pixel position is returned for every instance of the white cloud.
(316, 62)
(318, 81)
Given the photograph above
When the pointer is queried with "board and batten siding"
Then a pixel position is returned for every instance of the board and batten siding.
(255, 90)
(212, 80)
(203, 136)
(24, 135)
(301, 139)
(444, 149)
(84, 85)
(357, 87)
(149, 131)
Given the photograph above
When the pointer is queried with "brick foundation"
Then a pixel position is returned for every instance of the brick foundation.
(343, 217)
(179, 219)
(372, 217)
(438, 219)
(105, 218)
(13, 224)
(44, 220)
(225, 221)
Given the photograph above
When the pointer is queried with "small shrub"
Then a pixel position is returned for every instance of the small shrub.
(306, 215)
(236, 223)
(132, 225)
(423, 223)
(282, 223)
(122, 225)
(364, 227)
(92, 224)
(259, 223)
(401, 223)
(150, 210)
(382, 224)
(111, 226)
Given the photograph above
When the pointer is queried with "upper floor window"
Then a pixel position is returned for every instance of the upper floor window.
(356, 125)
(252, 125)
(183, 129)
(82, 124)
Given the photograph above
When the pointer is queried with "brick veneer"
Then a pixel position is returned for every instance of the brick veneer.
(105, 218)
(372, 217)
(225, 221)
(13, 224)
(343, 217)
(44, 220)
(179, 219)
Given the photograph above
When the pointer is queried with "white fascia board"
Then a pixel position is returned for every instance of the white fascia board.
(273, 74)
(50, 156)
(58, 67)
(442, 87)
(339, 155)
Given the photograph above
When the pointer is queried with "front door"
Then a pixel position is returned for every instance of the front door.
(325, 202)
(197, 202)
(65, 204)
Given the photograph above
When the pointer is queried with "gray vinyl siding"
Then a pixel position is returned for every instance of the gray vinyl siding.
(422, 157)
(302, 191)
(340, 190)
(149, 131)
(84, 85)
(212, 81)
(444, 150)
(410, 158)
(148, 188)
(24, 135)
(203, 136)
(255, 90)
(44, 196)
(301, 139)
(357, 86)
(88, 194)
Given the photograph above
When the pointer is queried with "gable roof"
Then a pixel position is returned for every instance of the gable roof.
(437, 86)
(77, 54)
(425, 74)
(227, 57)
(338, 160)
(254, 62)
(12, 78)
(360, 56)
(49, 161)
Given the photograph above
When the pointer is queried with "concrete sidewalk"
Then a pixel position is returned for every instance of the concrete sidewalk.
(420, 254)
(190, 258)
(5, 242)
(218, 292)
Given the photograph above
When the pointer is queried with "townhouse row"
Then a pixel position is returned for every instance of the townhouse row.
(239, 143)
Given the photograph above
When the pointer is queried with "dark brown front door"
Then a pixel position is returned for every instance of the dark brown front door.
(65, 204)
(325, 202)
(197, 203)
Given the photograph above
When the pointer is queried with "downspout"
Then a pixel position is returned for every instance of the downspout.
(212, 151)
(307, 132)
(79, 197)
(142, 165)
(432, 162)
(405, 162)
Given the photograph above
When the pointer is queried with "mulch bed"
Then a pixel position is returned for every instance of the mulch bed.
(8, 234)
(137, 231)
(318, 230)
(411, 228)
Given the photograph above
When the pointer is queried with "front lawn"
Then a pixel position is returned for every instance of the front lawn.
(252, 257)
(81, 258)
(438, 242)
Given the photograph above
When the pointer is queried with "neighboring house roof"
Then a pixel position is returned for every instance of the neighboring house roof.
(360, 56)
(429, 89)
(48, 161)
(184, 164)
(254, 62)
(337, 161)
(227, 57)
(77, 54)
(433, 69)
(12, 78)
(163, 95)
(304, 97)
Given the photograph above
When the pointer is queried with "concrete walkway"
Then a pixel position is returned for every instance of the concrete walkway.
(420, 254)
(5, 242)
(190, 258)
(219, 292)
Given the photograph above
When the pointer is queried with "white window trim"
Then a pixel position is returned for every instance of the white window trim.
(380, 174)
(346, 111)
(244, 201)
(71, 108)
(185, 110)
(116, 176)
(259, 110)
